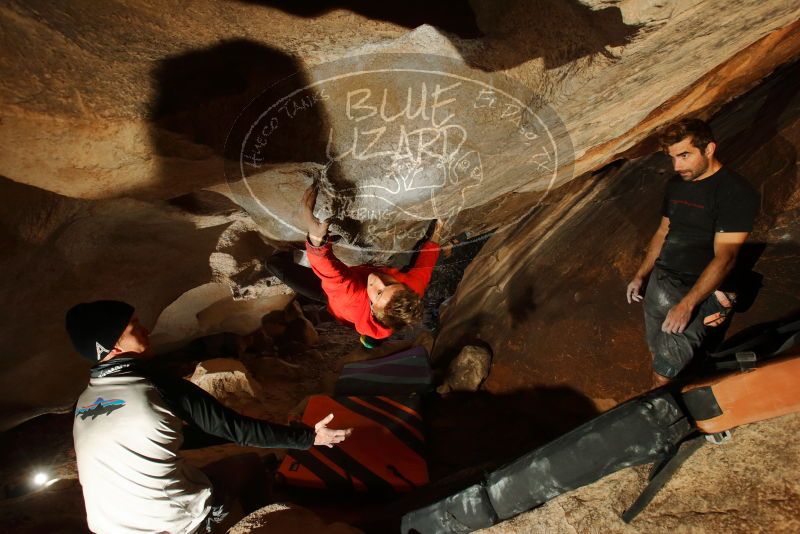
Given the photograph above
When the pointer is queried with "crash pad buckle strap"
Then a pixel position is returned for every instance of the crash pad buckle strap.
(789, 328)
(661, 474)
(745, 361)
(719, 438)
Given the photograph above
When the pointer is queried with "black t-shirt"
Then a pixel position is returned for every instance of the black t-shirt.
(723, 202)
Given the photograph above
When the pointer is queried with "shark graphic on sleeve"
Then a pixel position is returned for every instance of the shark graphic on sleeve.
(99, 407)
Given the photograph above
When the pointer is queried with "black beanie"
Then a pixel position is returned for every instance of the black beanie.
(95, 327)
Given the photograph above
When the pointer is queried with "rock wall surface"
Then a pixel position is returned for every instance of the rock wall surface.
(559, 282)
(136, 100)
(121, 121)
(59, 251)
(559, 278)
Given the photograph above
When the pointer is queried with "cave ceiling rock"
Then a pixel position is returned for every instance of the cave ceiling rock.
(603, 68)
(590, 110)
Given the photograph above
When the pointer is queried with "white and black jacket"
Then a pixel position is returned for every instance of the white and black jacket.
(128, 429)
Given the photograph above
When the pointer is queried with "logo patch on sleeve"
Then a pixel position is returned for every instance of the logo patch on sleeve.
(100, 350)
(99, 407)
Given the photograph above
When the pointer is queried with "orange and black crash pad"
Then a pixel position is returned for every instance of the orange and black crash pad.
(739, 398)
(384, 454)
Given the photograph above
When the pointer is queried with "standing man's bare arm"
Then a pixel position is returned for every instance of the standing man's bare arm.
(726, 248)
(633, 292)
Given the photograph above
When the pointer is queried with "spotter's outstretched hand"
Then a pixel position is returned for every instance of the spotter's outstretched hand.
(328, 436)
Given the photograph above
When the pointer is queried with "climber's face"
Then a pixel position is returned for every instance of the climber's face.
(380, 290)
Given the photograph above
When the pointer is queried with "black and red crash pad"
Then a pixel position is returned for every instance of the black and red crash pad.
(385, 453)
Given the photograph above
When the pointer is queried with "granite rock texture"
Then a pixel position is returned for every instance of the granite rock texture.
(467, 371)
(118, 122)
(123, 124)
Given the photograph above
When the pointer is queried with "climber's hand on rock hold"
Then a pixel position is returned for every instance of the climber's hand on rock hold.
(317, 230)
(328, 436)
(436, 236)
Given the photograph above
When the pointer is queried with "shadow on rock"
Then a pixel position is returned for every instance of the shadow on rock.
(468, 430)
(452, 16)
(207, 101)
(497, 35)
(471, 434)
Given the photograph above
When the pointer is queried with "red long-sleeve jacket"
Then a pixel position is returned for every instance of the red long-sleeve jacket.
(346, 287)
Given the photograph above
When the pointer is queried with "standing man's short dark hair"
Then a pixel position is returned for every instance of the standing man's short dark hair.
(696, 130)
(707, 214)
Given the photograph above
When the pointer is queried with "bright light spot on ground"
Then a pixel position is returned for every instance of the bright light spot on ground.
(40, 479)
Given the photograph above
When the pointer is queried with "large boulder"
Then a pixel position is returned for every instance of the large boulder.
(467, 371)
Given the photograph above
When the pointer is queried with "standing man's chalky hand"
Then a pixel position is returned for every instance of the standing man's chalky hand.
(633, 292)
(677, 319)
(328, 436)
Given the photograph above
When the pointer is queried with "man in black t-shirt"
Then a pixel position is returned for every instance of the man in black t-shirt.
(707, 213)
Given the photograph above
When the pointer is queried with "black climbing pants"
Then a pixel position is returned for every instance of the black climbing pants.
(671, 352)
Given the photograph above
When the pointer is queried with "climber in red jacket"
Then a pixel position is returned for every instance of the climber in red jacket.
(375, 300)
